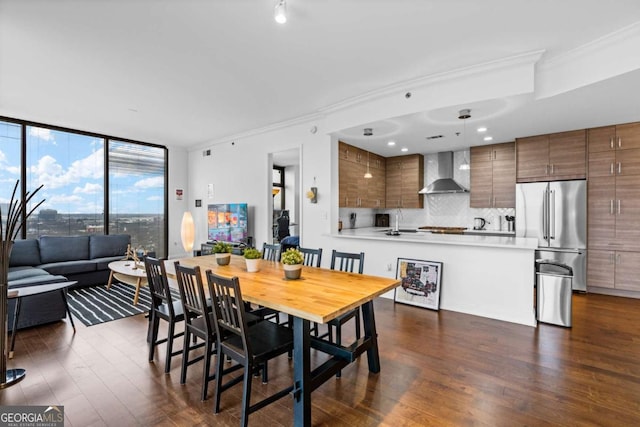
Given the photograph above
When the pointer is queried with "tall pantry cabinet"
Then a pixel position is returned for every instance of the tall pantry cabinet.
(614, 207)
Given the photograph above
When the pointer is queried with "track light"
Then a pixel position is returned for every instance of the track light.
(280, 14)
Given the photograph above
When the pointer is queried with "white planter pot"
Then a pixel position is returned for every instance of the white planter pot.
(223, 258)
(253, 265)
(292, 272)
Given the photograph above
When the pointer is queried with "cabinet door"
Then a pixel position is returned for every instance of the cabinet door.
(601, 139)
(532, 158)
(504, 175)
(412, 181)
(627, 162)
(600, 268)
(602, 163)
(628, 271)
(568, 154)
(394, 182)
(628, 136)
(601, 223)
(348, 184)
(628, 212)
(481, 174)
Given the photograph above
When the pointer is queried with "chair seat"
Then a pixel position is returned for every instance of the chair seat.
(199, 324)
(163, 310)
(267, 340)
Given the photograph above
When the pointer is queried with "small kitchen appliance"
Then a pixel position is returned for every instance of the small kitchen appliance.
(511, 223)
(382, 220)
(479, 223)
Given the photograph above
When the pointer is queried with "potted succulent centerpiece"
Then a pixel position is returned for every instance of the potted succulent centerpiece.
(292, 260)
(222, 251)
(252, 256)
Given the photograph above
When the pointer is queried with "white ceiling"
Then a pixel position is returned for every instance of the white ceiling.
(187, 72)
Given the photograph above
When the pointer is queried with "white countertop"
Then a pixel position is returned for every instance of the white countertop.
(377, 233)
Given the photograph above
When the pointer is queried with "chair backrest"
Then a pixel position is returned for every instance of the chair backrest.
(158, 284)
(345, 261)
(312, 257)
(228, 308)
(194, 300)
(271, 252)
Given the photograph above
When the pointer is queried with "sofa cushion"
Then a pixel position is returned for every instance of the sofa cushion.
(101, 246)
(103, 263)
(17, 273)
(36, 280)
(63, 248)
(25, 252)
(69, 267)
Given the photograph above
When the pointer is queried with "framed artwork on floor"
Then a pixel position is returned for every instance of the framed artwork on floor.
(420, 283)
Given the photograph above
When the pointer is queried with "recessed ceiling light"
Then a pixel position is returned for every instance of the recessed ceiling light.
(404, 149)
(488, 138)
(482, 129)
(391, 143)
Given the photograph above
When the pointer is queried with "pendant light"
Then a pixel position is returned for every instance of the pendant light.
(464, 115)
(280, 13)
(368, 132)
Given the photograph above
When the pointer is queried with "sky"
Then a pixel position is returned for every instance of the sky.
(71, 167)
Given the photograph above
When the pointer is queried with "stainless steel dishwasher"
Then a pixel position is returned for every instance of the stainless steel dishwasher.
(553, 282)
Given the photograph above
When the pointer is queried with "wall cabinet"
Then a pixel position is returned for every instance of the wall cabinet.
(356, 191)
(405, 177)
(614, 207)
(493, 176)
(553, 157)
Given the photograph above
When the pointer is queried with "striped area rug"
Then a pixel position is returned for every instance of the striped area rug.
(95, 305)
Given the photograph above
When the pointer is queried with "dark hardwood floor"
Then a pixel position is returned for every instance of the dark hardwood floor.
(438, 368)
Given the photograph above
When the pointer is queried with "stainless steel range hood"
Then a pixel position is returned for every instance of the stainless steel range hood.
(445, 183)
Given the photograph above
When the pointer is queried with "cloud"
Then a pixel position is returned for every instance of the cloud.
(89, 188)
(49, 172)
(154, 182)
(155, 198)
(62, 199)
(41, 133)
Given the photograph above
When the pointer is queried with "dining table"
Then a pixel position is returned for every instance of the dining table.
(320, 295)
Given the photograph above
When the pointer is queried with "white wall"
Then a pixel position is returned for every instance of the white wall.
(177, 180)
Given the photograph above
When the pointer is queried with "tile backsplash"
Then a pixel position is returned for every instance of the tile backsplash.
(447, 210)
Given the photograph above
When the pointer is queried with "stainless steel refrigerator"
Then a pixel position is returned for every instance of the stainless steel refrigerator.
(556, 214)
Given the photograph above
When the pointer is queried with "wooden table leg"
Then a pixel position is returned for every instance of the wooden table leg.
(137, 294)
(373, 356)
(301, 372)
(110, 279)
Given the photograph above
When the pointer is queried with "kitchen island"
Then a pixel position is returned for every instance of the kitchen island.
(488, 276)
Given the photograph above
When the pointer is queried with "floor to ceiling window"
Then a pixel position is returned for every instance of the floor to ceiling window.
(136, 193)
(86, 191)
(70, 167)
(10, 161)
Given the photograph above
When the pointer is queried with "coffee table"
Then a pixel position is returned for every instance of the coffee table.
(128, 272)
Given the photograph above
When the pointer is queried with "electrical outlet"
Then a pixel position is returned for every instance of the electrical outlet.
(389, 267)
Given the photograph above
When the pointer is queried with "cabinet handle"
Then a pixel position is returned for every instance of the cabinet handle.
(619, 142)
(546, 170)
(619, 206)
(611, 208)
(552, 168)
(611, 172)
(495, 156)
(494, 201)
(619, 168)
(618, 259)
(611, 256)
(611, 144)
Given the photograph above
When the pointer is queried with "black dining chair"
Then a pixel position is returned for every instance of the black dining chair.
(271, 252)
(251, 346)
(163, 307)
(198, 322)
(312, 257)
(348, 262)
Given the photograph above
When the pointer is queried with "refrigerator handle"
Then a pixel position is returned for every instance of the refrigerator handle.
(545, 215)
(552, 215)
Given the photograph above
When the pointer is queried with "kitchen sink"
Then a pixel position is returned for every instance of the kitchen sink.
(401, 230)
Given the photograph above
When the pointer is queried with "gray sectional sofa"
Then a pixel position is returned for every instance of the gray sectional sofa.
(51, 259)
